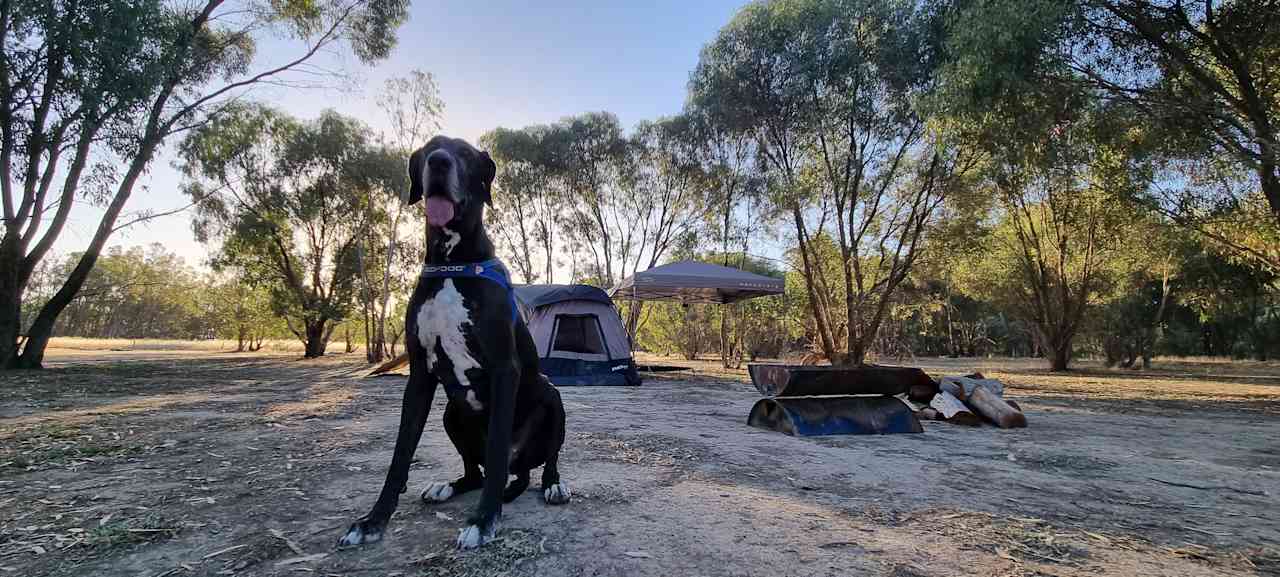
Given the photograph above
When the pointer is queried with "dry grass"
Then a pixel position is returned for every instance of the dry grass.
(1175, 378)
(212, 345)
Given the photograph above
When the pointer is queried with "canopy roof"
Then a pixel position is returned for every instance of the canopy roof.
(696, 282)
(540, 295)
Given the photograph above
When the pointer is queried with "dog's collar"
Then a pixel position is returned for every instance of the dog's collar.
(491, 269)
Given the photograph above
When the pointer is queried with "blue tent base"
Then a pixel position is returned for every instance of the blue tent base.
(579, 373)
(813, 416)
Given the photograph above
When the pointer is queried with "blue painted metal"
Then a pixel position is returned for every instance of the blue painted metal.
(575, 372)
(813, 416)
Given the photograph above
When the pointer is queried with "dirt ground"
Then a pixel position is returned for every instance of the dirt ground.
(199, 464)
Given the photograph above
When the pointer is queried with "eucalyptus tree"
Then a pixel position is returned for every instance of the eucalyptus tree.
(529, 202)
(412, 107)
(830, 91)
(290, 202)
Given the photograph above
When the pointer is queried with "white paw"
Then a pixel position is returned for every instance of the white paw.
(472, 537)
(357, 536)
(557, 494)
(437, 492)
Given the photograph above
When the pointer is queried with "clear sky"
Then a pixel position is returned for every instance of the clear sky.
(497, 63)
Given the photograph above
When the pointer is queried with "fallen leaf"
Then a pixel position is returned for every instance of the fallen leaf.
(1097, 536)
(288, 542)
(424, 560)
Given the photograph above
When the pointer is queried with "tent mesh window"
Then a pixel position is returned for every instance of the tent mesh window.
(578, 334)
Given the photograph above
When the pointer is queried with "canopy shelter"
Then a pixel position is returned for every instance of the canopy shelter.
(696, 282)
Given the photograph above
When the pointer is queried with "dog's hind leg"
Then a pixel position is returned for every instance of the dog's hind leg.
(418, 395)
(516, 487)
(468, 439)
(554, 490)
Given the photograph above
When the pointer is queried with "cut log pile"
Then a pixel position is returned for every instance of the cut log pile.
(970, 400)
(831, 400)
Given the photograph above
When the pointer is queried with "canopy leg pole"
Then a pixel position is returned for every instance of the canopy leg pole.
(632, 320)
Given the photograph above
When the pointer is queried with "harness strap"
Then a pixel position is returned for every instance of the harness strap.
(491, 269)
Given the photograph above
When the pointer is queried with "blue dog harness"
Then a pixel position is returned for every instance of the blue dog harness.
(491, 269)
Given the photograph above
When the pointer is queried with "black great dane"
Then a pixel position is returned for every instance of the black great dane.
(463, 332)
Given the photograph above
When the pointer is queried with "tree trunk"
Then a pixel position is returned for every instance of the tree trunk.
(1157, 328)
(857, 353)
(42, 328)
(317, 339)
(727, 352)
(240, 339)
(10, 299)
(825, 339)
(1059, 355)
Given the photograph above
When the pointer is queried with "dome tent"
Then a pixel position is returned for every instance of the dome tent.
(580, 337)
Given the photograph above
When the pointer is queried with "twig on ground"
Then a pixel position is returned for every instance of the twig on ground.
(1204, 532)
(220, 552)
(1210, 487)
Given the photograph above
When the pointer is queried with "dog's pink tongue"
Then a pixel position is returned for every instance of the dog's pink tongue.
(439, 211)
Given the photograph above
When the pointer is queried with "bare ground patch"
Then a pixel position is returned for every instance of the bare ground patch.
(221, 464)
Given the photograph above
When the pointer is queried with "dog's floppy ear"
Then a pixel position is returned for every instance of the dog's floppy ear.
(486, 173)
(414, 193)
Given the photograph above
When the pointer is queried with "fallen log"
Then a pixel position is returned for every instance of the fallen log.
(995, 409)
(923, 392)
(774, 380)
(962, 387)
(390, 365)
(953, 411)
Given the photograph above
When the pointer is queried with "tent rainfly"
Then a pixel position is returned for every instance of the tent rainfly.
(696, 282)
(579, 335)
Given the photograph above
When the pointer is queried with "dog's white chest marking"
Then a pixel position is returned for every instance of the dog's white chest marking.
(452, 240)
(443, 319)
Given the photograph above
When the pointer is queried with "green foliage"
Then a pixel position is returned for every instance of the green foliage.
(959, 177)
(1195, 77)
(138, 293)
(527, 201)
(150, 293)
(616, 203)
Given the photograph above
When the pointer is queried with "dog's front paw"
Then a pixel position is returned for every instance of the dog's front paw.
(437, 492)
(474, 535)
(362, 532)
(557, 494)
